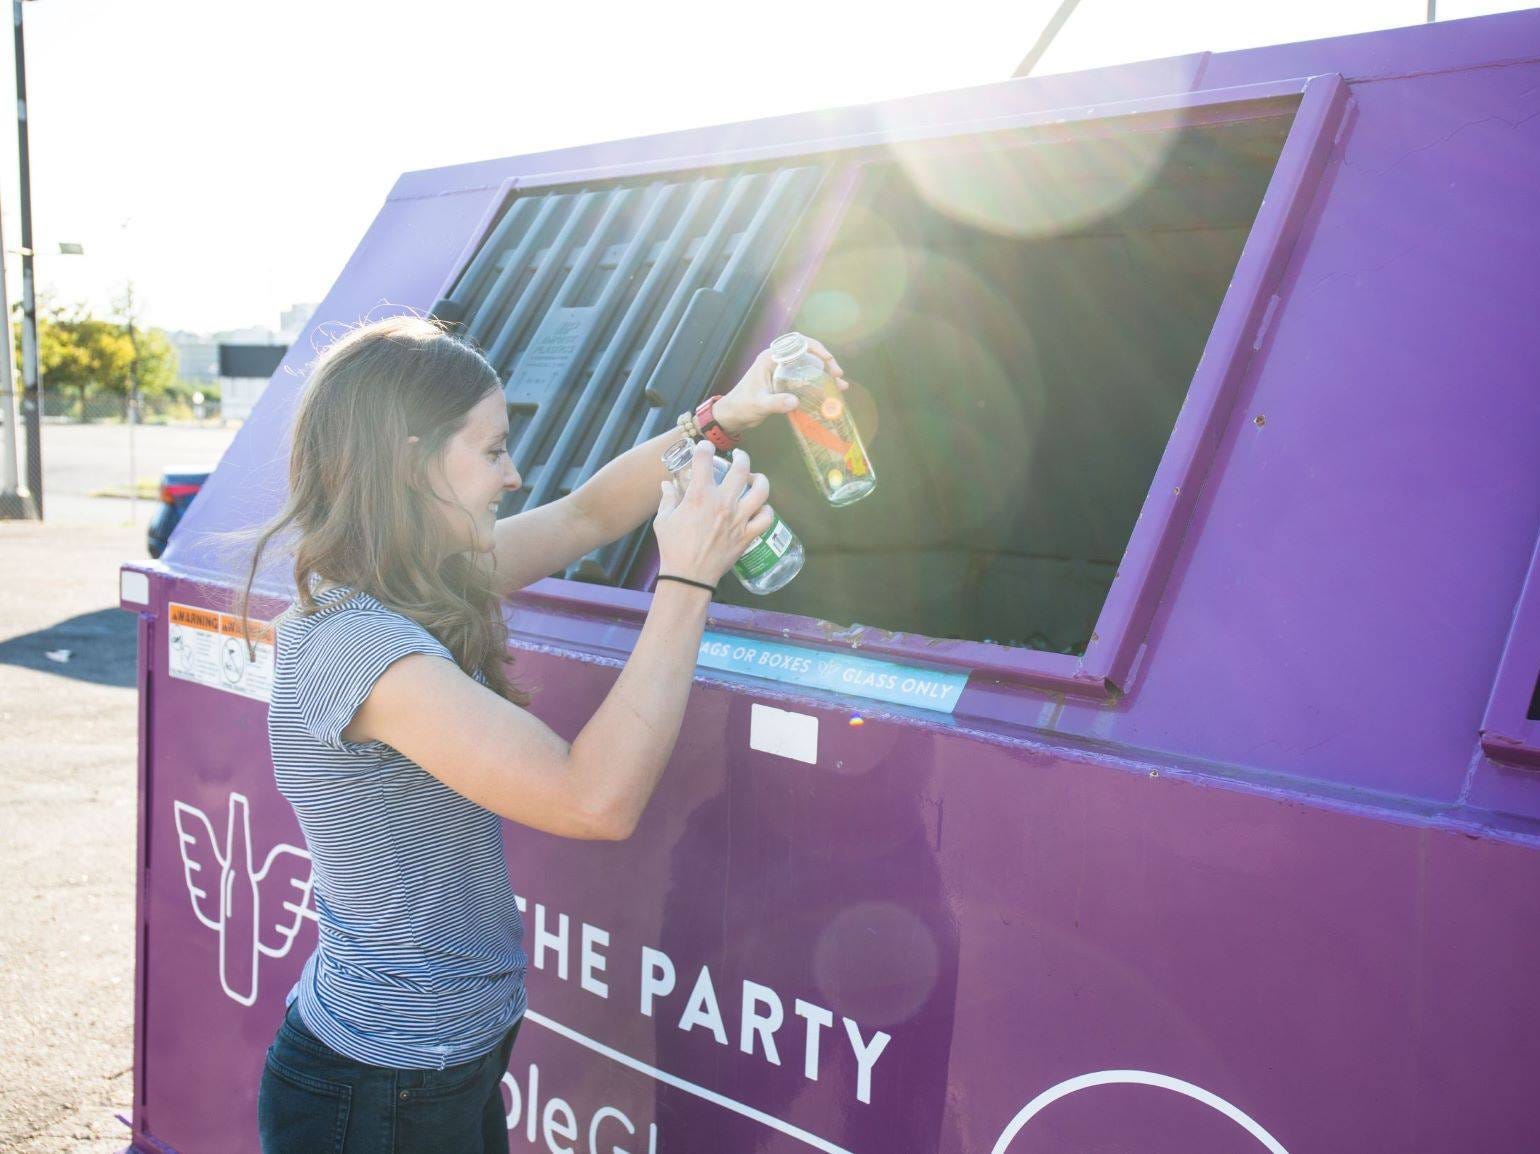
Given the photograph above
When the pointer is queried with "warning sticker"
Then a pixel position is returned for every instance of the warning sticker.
(210, 648)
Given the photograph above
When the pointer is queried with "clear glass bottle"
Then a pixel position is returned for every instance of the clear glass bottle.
(773, 559)
(830, 444)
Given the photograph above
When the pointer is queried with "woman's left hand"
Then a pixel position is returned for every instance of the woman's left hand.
(754, 397)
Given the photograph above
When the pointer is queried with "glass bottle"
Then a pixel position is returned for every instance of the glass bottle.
(240, 903)
(776, 555)
(830, 444)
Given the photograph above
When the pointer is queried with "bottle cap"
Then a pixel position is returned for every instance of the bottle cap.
(787, 347)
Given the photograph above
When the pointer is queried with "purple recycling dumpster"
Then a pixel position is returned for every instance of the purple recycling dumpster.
(1151, 762)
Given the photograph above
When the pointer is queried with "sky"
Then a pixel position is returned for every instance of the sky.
(226, 156)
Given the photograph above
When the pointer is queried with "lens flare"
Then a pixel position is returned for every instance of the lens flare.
(1018, 188)
(971, 367)
(878, 961)
(859, 286)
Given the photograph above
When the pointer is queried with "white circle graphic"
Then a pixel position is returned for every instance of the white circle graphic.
(1135, 1078)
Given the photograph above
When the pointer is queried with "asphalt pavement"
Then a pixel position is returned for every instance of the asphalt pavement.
(81, 463)
(68, 800)
(69, 788)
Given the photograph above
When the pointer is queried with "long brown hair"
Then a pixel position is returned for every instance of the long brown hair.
(362, 510)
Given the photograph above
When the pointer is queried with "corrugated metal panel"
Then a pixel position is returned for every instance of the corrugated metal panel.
(607, 311)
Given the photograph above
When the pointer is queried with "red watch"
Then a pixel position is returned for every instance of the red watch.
(705, 420)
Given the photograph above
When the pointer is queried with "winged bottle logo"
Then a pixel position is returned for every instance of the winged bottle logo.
(256, 911)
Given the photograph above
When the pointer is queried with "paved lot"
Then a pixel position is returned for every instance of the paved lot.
(68, 789)
(79, 460)
(68, 797)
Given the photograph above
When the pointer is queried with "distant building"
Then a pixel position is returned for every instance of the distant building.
(293, 321)
(244, 370)
(197, 356)
(250, 335)
(201, 357)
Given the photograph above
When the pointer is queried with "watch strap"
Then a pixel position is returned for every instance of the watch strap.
(706, 422)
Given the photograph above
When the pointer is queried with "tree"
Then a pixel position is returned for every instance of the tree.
(81, 352)
(92, 355)
(154, 368)
(157, 369)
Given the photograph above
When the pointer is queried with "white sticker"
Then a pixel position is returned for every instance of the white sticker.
(779, 539)
(134, 587)
(785, 734)
(211, 648)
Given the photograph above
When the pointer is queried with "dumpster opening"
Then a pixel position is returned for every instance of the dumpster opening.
(1028, 334)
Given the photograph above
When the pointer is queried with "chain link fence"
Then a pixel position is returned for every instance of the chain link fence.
(103, 460)
(69, 406)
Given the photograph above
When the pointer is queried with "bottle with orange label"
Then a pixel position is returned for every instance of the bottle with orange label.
(827, 436)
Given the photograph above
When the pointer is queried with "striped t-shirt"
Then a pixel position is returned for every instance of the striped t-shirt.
(420, 963)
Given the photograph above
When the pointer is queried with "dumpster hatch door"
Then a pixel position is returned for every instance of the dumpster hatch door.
(608, 309)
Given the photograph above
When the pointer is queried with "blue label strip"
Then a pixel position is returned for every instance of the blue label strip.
(840, 672)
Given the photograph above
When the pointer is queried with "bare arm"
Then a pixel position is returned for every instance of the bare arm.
(614, 501)
(622, 495)
(510, 762)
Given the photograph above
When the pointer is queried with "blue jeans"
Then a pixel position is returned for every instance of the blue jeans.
(314, 1100)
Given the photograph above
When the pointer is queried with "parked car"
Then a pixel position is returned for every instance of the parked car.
(178, 487)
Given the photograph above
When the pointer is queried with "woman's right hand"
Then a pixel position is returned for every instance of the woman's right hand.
(701, 534)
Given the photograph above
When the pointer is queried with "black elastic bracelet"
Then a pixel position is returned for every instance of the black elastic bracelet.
(712, 589)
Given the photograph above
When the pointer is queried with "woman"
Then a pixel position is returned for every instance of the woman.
(400, 739)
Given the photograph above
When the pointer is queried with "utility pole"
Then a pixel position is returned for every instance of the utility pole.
(15, 501)
(32, 397)
(133, 413)
(1045, 38)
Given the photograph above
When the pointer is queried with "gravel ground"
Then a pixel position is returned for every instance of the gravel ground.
(68, 799)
